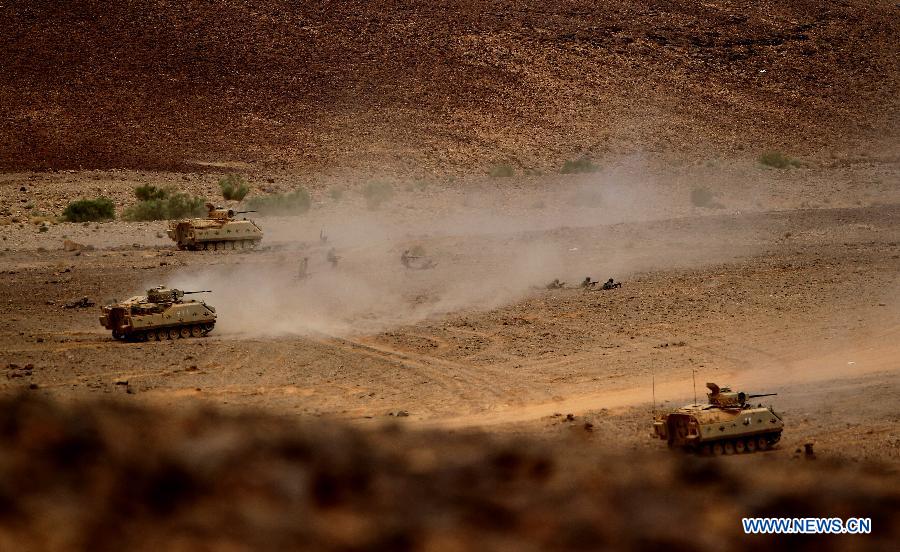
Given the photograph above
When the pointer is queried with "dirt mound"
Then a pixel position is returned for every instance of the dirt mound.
(109, 476)
(421, 87)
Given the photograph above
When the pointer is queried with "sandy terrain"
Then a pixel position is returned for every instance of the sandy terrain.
(465, 405)
(800, 300)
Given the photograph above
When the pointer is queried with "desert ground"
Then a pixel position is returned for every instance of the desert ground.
(792, 292)
(736, 168)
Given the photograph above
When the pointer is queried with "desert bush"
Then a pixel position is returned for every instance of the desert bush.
(234, 187)
(336, 193)
(502, 170)
(90, 210)
(148, 192)
(778, 160)
(580, 165)
(377, 193)
(290, 203)
(171, 206)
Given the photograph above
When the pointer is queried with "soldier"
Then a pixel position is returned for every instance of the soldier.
(611, 284)
(556, 284)
(405, 258)
(587, 283)
(304, 266)
(332, 257)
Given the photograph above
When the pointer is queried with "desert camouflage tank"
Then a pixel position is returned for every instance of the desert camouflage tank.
(161, 314)
(219, 230)
(727, 424)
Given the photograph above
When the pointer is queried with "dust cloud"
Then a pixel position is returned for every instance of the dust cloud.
(489, 247)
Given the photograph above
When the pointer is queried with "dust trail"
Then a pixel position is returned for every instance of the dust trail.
(491, 247)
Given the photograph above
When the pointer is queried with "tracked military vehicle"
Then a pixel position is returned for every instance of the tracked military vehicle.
(162, 314)
(218, 231)
(727, 424)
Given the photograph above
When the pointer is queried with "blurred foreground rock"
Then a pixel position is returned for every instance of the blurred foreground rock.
(108, 476)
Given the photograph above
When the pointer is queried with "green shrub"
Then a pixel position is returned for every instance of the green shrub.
(580, 165)
(291, 203)
(777, 160)
(234, 187)
(336, 193)
(90, 210)
(173, 206)
(377, 193)
(148, 192)
(502, 170)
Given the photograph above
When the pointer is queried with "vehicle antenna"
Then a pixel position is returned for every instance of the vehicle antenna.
(653, 385)
(694, 377)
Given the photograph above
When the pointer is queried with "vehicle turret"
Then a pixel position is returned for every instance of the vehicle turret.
(724, 397)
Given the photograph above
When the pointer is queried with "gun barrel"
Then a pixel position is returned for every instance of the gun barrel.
(242, 212)
(201, 291)
(761, 395)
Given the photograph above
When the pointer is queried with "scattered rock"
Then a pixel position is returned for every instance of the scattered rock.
(69, 245)
(570, 417)
(82, 303)
(808, 452)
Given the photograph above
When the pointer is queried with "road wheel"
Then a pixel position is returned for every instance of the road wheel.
(729, 447)
(173, 333)
(751, 445)
(196, 331)
(762, 443)
(185, 332)
(160, 335)
(705, 450)
(718, 449)
(740, 447)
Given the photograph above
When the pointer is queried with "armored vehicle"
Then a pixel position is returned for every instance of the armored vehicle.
(727, 424)
(219, 230)
(162, 314)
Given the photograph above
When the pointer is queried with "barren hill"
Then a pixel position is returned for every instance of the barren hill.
(422, 86)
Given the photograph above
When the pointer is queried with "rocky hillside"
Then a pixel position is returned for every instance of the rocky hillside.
(422, 86)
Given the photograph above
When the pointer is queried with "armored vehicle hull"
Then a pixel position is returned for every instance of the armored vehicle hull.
(209, 234)
(727, 425)
(219, 231)
(158, 317)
